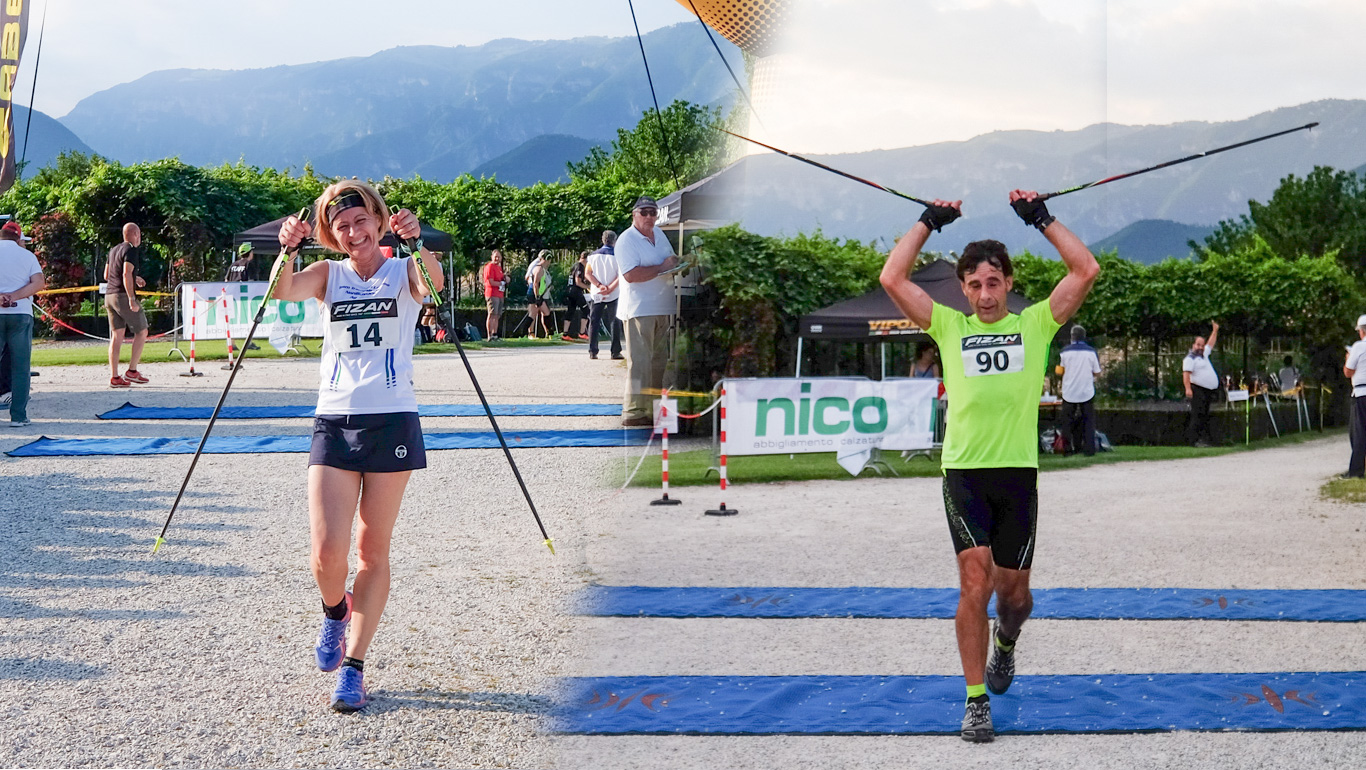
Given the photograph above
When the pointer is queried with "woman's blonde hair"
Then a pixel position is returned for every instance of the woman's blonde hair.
(369, 197)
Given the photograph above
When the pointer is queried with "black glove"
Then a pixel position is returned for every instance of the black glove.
(935, 217)
(1033, 213)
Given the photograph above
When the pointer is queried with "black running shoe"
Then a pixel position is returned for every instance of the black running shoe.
(1000, 666)
(977, 727)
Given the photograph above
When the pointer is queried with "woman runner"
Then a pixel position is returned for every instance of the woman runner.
(366, 436)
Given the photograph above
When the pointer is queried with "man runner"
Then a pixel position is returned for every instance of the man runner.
(994, 363)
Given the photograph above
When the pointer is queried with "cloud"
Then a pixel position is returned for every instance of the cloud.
(867, 74)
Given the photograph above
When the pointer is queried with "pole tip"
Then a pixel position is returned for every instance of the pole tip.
(549, 543)
(157, 544)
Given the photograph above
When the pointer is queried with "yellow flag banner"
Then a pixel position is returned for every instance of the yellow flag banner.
(13, 30)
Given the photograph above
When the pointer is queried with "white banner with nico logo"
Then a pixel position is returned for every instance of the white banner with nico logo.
(216, 312)
(845, 415)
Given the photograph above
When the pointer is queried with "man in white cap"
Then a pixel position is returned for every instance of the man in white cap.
(646, 308)
(20, 278)
(1355, 369)
(1202, 387)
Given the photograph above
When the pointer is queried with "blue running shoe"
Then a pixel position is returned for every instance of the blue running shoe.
(331, 647)
(350, 694)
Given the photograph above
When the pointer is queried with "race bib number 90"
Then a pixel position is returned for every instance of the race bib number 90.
(992, 354)
(365, 324)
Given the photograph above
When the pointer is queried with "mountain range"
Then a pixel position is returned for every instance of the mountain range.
(48, 139)
(771, 194)
(434, 111)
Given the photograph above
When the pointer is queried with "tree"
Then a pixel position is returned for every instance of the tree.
(1323, 212)
(689, 150)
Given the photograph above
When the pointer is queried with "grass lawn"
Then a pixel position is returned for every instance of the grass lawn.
(690, 468)
(217, 350)
(1342, 490)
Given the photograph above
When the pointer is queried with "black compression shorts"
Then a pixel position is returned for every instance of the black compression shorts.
(368, 443)
(995, 507)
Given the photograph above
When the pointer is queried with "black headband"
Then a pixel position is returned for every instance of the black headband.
(347, 200)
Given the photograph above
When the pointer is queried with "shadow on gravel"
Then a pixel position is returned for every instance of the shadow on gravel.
(69, 531)
(41, 669)
(15, 608)
(502, 702)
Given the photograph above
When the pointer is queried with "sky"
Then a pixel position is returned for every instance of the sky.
(90, 45)
(857, 74)
(873, 74)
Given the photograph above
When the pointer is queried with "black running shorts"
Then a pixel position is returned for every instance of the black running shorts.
(368, 443)
(995, 507)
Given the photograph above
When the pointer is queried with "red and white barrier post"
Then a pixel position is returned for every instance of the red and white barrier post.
(227, 328)
(194, 318)
(662, 421)
(723, 510)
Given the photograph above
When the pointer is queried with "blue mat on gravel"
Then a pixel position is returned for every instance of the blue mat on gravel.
(1330, 605)
(527, 439)
(130, 412)
(887, 705)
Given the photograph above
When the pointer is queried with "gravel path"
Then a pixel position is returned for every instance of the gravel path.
(201, 656)
(1239, 521)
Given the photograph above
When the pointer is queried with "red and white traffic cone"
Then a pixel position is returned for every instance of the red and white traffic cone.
(194, 318)
(664, 444)
(723, 510)
(227, 328)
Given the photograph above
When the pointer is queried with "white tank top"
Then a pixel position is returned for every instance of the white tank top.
(367, 358)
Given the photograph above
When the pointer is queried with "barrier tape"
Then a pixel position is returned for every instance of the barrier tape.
(76, 289)
(69, 327)
(684, 393)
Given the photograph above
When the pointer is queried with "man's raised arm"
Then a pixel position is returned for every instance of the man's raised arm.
(1082, 268)
(896, 273)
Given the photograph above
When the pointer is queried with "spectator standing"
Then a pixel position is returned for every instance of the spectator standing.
(1355, 369)
(646, 308)
(538, 293)
(243, 268)
(576, 302)
(1202, 383)
(426, 321)
(603, 276)
(20, 278)
(122, 306)
(495, 285)
(1080, 368)
(926, 363)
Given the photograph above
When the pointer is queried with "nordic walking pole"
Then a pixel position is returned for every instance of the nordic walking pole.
(414, 246)
(1196, 156)
(260, 313)
(844, 174)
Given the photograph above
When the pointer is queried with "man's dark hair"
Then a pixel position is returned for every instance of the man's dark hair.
(9, 235)
(992, 252)
(609, 237)
(1289, 360)
(1078, 332)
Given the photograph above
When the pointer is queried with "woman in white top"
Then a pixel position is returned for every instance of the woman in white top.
(366, 436)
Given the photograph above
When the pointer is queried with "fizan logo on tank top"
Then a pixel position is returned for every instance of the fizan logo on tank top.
(365, 324)
(367, 349)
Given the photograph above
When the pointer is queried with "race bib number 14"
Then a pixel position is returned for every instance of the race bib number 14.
(365, 324)
(985, 354)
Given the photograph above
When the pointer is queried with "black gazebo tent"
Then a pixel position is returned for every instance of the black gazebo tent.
(266, 238)
(873, 317)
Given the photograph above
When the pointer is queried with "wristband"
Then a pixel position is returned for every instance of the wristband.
(1045, 222)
